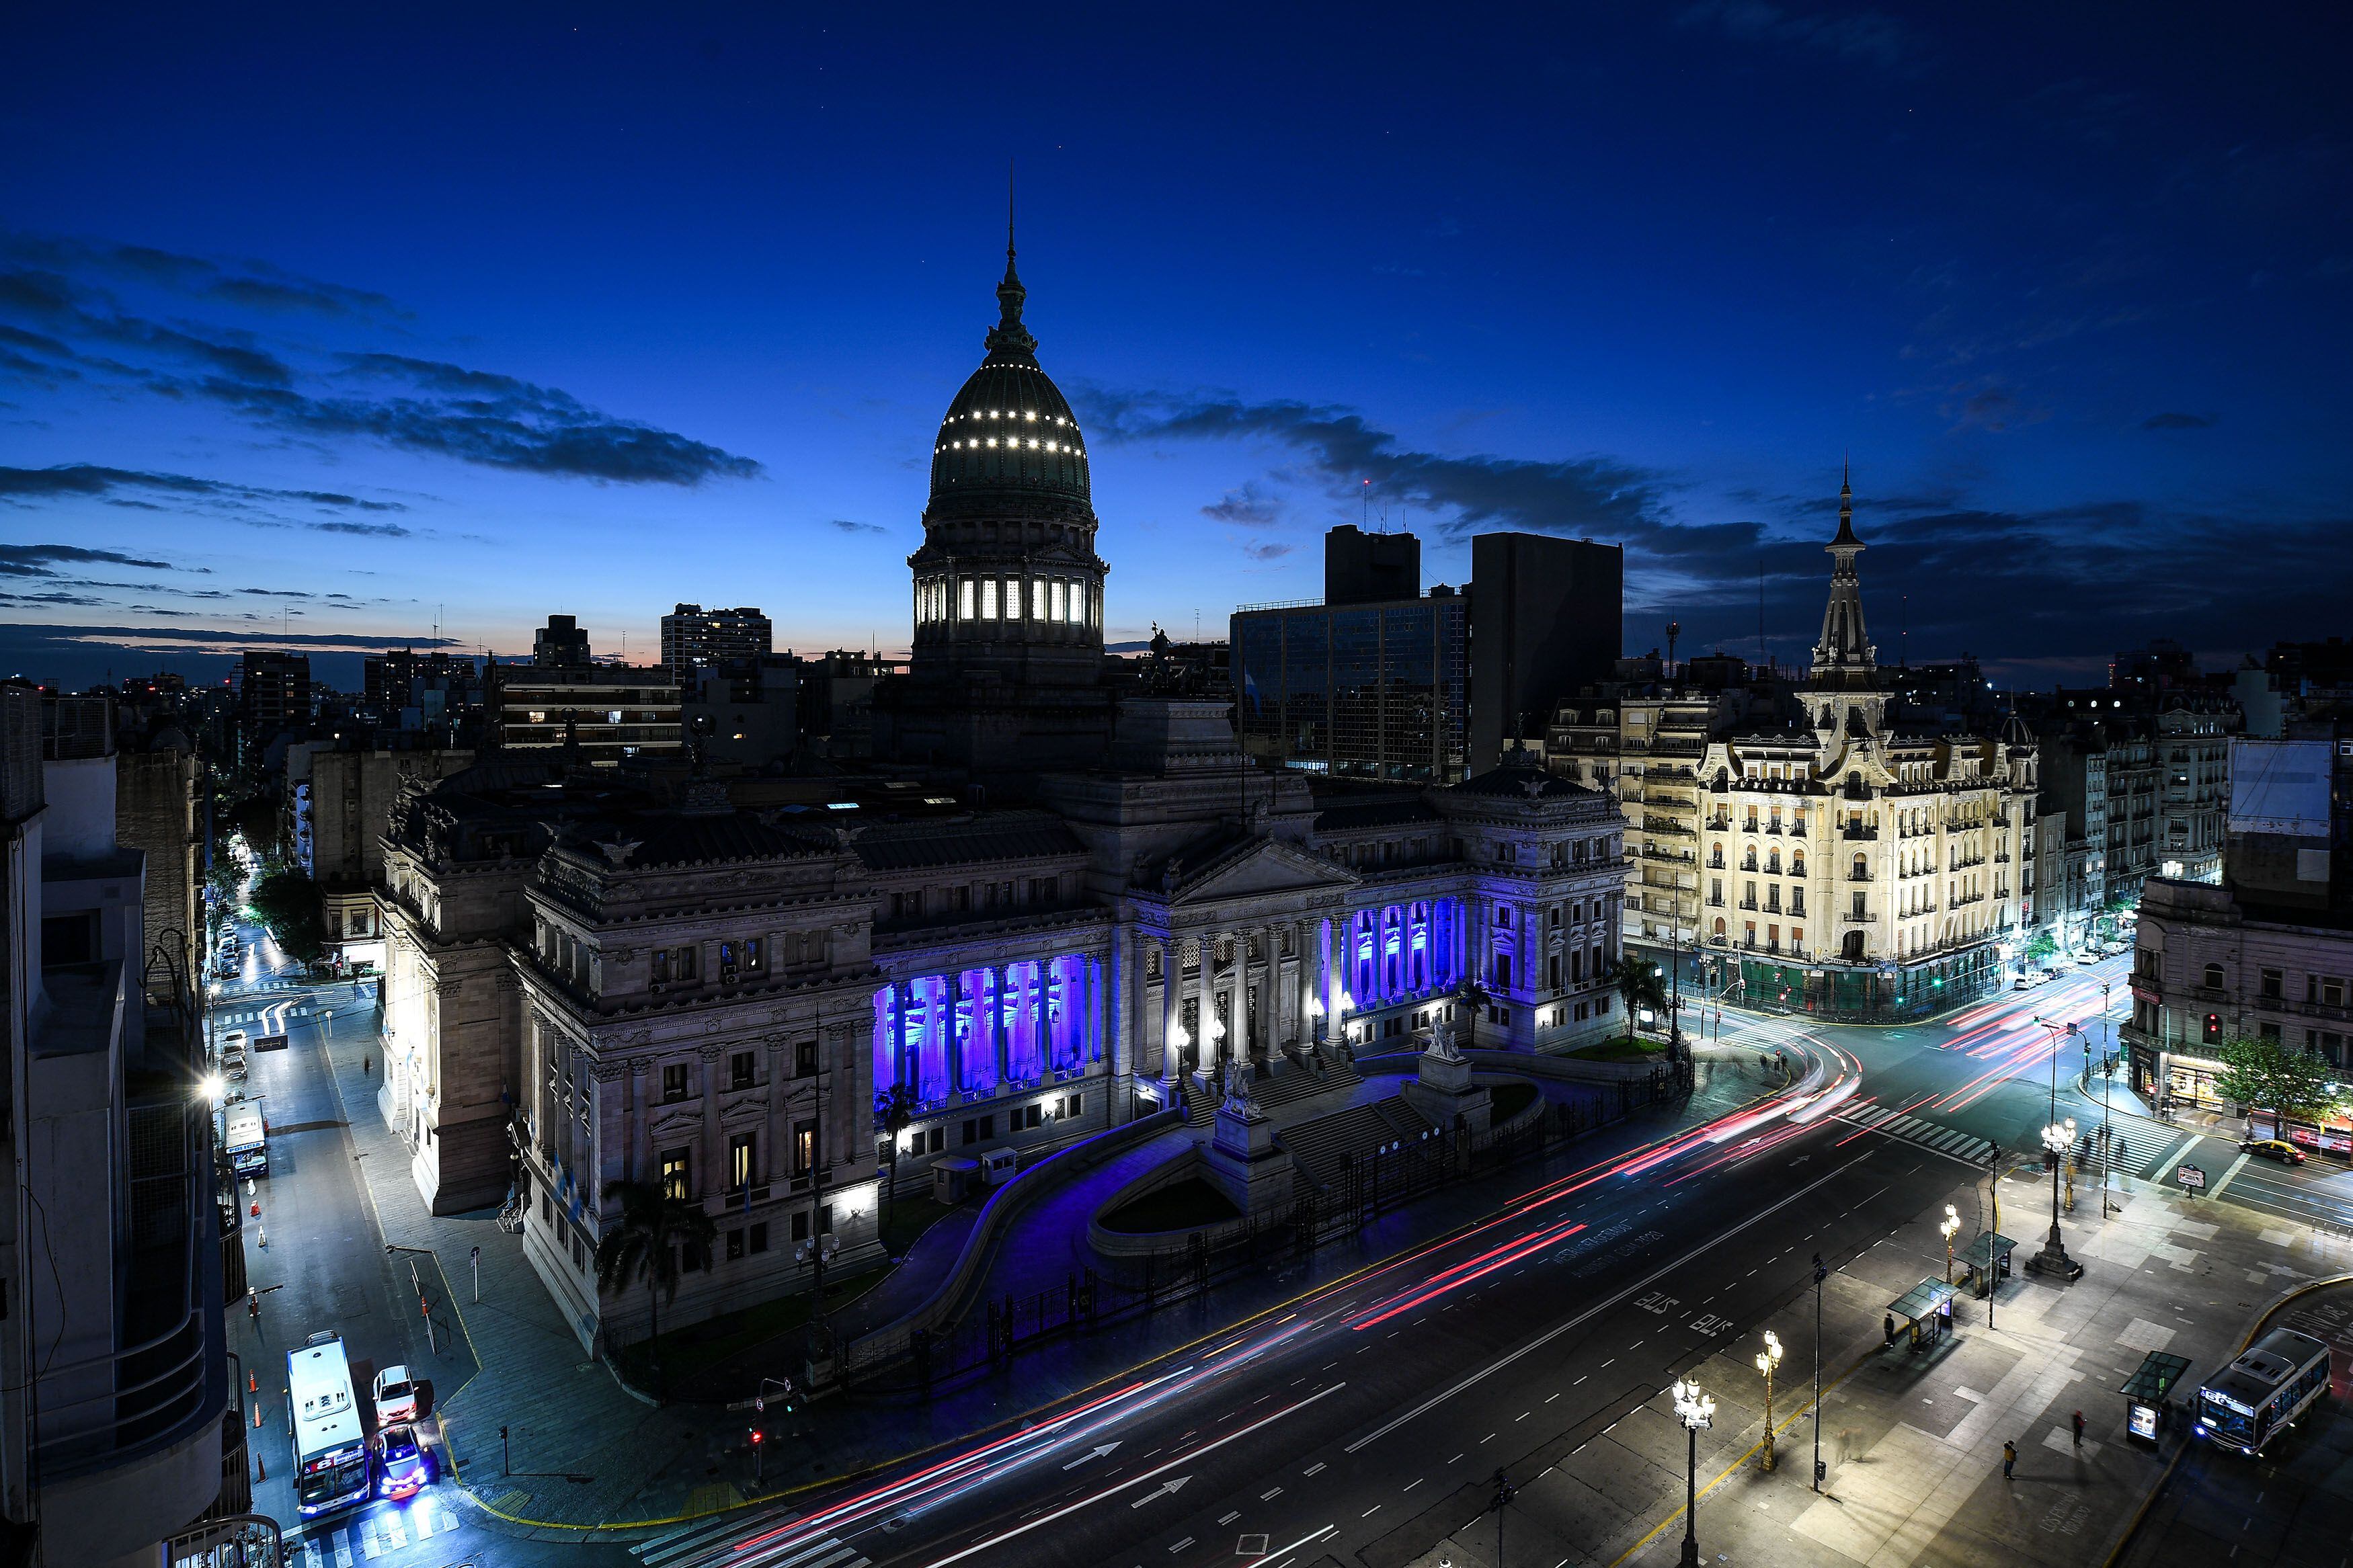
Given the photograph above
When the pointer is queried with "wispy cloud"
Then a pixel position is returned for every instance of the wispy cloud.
(67, 480)
(63, 325)
(847, 526)
(35, 560)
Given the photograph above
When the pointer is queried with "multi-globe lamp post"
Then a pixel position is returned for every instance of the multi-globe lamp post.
(1694, 1410)
(1766, 1360)
(1949, 1227)
(2058, 1138)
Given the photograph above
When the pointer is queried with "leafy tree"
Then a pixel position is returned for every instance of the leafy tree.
(642, 1244)
(2275, 1076)
(288, 903)
(1639, 986)
(2043, 945)
(894, 1107)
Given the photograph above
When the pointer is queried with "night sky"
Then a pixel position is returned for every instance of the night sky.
(319, 328)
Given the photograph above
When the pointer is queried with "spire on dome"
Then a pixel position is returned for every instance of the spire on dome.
(1843, 647)
(1009, 336)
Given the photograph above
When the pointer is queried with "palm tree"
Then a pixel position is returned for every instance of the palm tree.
(1639, 986)
(894, 1107)
(642, 1243)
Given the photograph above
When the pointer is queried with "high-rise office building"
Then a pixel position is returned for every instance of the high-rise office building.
(1357, 687)
(1548, 618)
(695, 639)
(564, 698)
(274, 689)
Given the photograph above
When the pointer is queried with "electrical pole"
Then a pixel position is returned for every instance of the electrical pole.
(1821, 1272)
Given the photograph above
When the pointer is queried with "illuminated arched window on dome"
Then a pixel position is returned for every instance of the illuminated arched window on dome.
(963, 599)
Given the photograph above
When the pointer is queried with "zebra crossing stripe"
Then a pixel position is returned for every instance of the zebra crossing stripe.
(343, 1549)
(310, 1555)
(369, 1544)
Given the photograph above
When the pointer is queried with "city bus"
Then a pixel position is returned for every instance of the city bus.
(2259, 1395)
(331, 1459)
(245, 1138)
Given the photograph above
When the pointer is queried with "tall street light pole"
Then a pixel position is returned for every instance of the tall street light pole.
(1694, 1410)
(1821, 1272)
(1948, 1227)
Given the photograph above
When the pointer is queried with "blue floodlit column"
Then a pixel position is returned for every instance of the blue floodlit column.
(1172, 1001)
(901, 994)
(998, 1054)
(955, 1031)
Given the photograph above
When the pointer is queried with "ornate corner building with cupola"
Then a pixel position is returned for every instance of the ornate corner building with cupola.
(1850, 868)
(1060, 899)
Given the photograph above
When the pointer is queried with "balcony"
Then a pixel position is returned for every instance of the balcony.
(1852, 918)
(1858, 876)
(1750, 905)
(1854, 835)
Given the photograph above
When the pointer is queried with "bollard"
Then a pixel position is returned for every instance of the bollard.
(263, 1232)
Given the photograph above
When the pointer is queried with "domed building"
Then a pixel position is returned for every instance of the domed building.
(1006, 674)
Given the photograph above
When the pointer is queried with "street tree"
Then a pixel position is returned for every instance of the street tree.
(642, 1246)
(894, 1109)
(2275, 1076)
(1639, 986)
(288, 903)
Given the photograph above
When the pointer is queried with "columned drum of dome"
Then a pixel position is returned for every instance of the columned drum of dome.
(1007, 592)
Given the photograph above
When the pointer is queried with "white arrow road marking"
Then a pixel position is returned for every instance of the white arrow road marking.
(1492, 1367)
(1096, 1453)
(1168, 1488)
(1068, 1509)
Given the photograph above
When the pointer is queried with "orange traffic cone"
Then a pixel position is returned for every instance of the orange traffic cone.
(252, 1384)
(256, 1210)
(260, 1469)
(256, 1415)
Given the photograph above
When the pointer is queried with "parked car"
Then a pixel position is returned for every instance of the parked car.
(2021, 983)
(2089, 956)
(2278, 1148)
(395, 1397)
(402, 1464)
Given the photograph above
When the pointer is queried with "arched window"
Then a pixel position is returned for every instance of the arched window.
(1719, 926)
(1862, 868)
(1798, 864)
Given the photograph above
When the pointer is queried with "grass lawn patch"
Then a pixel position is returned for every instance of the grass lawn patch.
(1622, 1048)
(686, 1351)
(904, 1218)
(1509, 1101)
(1180, 1205)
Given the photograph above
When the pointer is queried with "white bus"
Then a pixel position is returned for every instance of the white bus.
(245, 1138)
(2259, 1395)
(331, 1465)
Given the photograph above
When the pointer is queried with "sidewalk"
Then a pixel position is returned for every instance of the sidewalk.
(587, 1454)
(1913, 1444)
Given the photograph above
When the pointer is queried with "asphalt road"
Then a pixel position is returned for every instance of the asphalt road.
(1371, 1417)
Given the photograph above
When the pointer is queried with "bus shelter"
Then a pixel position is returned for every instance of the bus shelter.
(2145, 1392)
(1988, 1261)
(1926, 1310)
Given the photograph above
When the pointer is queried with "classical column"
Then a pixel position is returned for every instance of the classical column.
(900, 1046)
(1208, 1005)
(1172, 1001)
(954, 1041)
(1041, 1033)
(1330, 977)
(999, 1053)
(1244, 1046)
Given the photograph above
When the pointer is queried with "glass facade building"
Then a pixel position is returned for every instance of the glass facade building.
(1374, 692)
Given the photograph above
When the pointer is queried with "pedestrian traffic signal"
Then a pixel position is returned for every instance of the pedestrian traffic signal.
(757, 1437)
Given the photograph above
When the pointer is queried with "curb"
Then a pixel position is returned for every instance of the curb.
(1015, 1421)
(2132, 1526)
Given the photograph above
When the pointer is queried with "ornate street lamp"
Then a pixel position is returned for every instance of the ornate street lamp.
(1694, 1410)
(1766, 1360)
(1952, 1223)
(2058, 1138)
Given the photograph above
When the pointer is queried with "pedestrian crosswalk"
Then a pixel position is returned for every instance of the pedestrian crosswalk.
(744, 1542)
(392, 1528)
(2134, 1146)
(1911, 1129)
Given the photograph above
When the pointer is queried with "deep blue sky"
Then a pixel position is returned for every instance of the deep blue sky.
(487, 312)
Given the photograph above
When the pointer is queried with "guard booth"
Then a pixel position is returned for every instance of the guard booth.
(1988, 1261)
(1926, 1313)
(954, 1177)
(2145, 1392)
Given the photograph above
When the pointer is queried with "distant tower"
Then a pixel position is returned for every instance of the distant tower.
(1007, 668)
(1844, 685)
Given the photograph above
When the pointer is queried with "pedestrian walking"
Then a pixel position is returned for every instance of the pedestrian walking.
(1887, 1327)
(367, 1066)
(2079, 1428)
(2009, 1461)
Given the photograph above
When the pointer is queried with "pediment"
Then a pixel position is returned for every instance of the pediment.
(1261, 870)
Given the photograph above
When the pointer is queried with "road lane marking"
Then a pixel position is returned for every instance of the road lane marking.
(1230, 1518)
(2236, 1166)
(1068, 1509)
(1313, 1469)
(1415, 1482)
(1312, 1535)
(1270, 1494)
(1370, 1512)
(1555, 1332)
